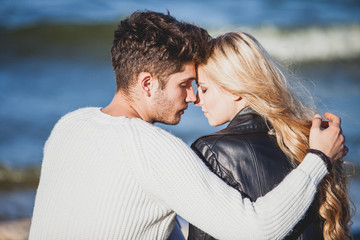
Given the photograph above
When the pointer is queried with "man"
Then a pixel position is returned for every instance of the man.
(110, 174)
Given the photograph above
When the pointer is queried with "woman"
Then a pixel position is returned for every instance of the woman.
(240, 84)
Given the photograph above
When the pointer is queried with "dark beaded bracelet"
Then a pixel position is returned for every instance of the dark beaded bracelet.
(325, 158)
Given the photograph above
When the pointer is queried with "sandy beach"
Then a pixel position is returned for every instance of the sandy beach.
(15, 230)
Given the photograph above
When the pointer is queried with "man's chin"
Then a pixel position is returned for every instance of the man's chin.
(174, 121)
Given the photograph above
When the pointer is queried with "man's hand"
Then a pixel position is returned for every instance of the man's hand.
(330, 141)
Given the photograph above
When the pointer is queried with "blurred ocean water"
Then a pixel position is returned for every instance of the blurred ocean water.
(210, 13)
(54, 58)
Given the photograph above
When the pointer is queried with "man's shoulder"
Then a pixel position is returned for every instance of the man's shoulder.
(76, 116)
(154, 131)
(81, 112)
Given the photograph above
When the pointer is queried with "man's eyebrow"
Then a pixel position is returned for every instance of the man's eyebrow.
(188, 79)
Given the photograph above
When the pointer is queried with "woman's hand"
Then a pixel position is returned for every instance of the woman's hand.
(330, 141)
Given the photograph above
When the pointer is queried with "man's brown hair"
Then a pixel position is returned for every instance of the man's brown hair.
(153, 42)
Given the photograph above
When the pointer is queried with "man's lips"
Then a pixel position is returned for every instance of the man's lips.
(183, 110)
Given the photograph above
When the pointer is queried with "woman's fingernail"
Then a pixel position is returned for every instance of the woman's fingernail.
(317, 116)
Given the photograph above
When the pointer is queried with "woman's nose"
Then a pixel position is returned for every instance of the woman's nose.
(197, 101)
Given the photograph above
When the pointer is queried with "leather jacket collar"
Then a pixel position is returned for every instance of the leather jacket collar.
(247, 120)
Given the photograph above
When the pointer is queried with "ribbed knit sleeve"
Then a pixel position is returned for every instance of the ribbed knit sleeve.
(172, 174)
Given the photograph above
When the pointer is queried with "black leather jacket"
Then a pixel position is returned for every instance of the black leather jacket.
(247, 158)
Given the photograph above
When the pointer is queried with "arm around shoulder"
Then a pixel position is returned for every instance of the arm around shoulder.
(180, 180)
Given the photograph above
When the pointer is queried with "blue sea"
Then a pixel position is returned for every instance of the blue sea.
(55, 58)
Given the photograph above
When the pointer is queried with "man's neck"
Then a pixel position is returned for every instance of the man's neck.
(121, 105)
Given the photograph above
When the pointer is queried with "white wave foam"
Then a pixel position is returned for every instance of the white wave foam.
(307, 44)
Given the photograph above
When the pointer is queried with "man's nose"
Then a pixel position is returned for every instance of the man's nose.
(190, 95)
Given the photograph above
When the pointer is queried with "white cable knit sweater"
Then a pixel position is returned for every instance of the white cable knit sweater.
(107, 177)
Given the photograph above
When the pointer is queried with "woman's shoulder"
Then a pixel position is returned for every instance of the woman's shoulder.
(220, 139)
(221, 149)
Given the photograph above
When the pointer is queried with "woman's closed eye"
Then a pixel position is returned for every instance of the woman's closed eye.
(203, 90)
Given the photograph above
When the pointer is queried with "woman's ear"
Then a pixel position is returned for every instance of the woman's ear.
(236, 98)
(240, 102)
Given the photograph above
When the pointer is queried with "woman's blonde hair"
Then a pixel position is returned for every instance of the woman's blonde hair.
(240, 65)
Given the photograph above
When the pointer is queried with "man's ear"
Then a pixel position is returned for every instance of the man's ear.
(147, 83)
